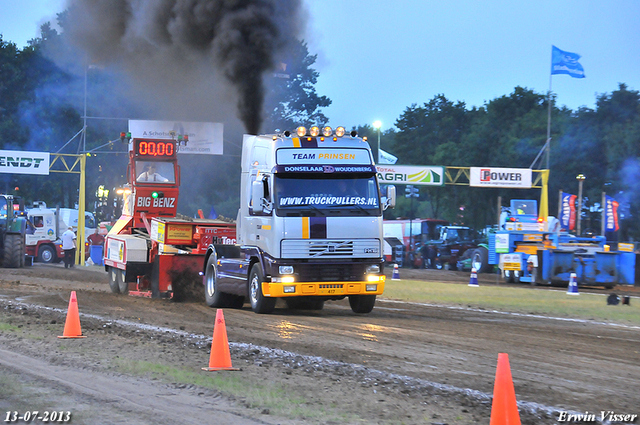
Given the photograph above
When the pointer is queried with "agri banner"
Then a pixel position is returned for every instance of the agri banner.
(205, 138)
(423, 175)
(24, 162)
(568, 211)
(610, 213)
(516, 178)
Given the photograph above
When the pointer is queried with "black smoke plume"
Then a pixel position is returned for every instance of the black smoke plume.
(181, 55)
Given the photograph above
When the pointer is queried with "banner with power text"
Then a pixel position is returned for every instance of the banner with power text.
(517, 178)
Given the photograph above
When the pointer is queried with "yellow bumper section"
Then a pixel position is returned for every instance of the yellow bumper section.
(277, 289)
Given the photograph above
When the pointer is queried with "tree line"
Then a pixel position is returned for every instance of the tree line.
(602, 143)
(41, 109)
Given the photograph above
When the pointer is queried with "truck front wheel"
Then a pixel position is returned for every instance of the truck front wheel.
(213, 297)
(362, 303)
(47, 254)
(259, 303)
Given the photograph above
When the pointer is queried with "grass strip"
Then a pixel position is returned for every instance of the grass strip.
(528, 300)
(259, 395)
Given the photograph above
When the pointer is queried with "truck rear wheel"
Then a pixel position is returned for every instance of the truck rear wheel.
(113, 281)
(480, 260)
(46, 254)
(259, 303)
(362, 303)
(122, 283)
(13, 251)
(212, 296)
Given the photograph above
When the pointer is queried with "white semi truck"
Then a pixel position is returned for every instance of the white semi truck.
(44, 242)
(309, 227)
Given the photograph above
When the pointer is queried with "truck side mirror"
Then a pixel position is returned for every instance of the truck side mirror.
(260, 204)
(257, 193)
(390, 202)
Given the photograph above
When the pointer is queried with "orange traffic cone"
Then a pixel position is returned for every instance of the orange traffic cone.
(504, 409)
(72, 324)
(220, 358)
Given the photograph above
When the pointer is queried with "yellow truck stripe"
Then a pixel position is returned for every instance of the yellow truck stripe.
(296, 142)
(305, 227)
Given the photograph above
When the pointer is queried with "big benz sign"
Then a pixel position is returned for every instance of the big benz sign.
(24, 162)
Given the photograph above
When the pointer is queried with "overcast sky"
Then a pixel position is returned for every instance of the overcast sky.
(377, 58)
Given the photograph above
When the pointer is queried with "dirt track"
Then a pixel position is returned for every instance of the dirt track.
(403, 363)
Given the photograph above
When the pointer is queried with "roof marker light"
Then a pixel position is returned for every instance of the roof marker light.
(314, 131)
(327, 131)
(340, 131)
(301, 131)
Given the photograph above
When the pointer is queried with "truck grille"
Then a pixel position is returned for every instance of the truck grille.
(331, 272)
(330, 248)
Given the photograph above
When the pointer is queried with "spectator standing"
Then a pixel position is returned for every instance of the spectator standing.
(96, 238)
(69, 247)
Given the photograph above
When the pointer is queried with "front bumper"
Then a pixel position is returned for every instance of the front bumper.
(323, 289)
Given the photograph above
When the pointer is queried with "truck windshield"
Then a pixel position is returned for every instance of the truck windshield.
(155, 172)
(339, 195)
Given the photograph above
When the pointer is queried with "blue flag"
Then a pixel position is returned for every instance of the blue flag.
(565, 63)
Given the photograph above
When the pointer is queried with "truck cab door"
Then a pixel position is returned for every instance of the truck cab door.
(261, 214)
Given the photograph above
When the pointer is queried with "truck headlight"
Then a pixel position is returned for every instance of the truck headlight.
(285, 269)
(371, 287)
(290, 289)
(374, 268)
(283, 279)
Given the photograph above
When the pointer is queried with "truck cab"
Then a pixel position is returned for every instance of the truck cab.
(43, 242)
(309, 225)
(522, 214)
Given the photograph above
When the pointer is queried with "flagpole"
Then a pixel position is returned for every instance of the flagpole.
(604, 210)
(549, 123)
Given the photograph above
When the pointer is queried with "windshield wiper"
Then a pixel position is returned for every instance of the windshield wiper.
(359, 207)
(315, 209)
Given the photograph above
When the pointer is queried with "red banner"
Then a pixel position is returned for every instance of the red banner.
(572, 212)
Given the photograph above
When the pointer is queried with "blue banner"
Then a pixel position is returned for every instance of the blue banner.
(610, 214)
(565, 63)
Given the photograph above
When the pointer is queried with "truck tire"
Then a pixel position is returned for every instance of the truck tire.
(122, 283)
(213, 297)
(509, 276)
(480, 260)
(113, 280)
(259, 303)
(47, 254)
(13, 255)
(362, 304)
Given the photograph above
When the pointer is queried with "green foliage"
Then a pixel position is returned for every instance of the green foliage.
(41, 108)
(292, 99)
(510, 131)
